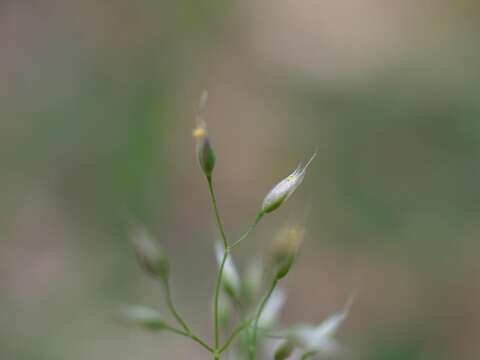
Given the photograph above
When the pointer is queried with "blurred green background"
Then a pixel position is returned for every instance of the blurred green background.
(98, 100)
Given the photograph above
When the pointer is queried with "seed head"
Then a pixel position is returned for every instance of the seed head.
(285, 188)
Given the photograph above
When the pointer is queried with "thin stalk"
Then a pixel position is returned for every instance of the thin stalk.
(186, 330)
(253, 340)
(220, 275)
(172, 308)
(201, 342)
(227, 248)
(236, 332)
(216, 211)
(174, 330)
(191, 336)
(216, 325)
(249, 231)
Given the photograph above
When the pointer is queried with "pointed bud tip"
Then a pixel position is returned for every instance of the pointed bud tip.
(311, 159)
(202, 105)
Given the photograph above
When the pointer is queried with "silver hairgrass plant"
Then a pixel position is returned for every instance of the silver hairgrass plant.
(244, 319)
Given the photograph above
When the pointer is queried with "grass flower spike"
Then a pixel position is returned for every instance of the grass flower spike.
(205, 153)
(285, 188)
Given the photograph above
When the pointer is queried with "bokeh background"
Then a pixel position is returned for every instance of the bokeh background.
(97, 103)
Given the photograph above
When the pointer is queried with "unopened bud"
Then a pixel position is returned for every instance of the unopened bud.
(285, 188)
(205, 153)
(285, 250)
(284, 351)
(144, 317)
(150, 255)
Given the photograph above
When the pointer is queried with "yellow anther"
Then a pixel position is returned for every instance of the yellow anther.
(199, 132)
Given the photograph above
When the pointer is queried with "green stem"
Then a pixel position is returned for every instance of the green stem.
(227, 251)
(175, 330)
(186, 330)
(189, 335)
(249, 231)
(253, 340)
(201, 342)
(216, 211)
(216, 323)
(216, 327)
(172, 308)
(236, 332)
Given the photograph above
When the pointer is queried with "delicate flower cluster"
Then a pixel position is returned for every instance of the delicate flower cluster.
(257, 314)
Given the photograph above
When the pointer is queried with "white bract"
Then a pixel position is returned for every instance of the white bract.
(320, 339)
(285, 188)
(231, 280)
